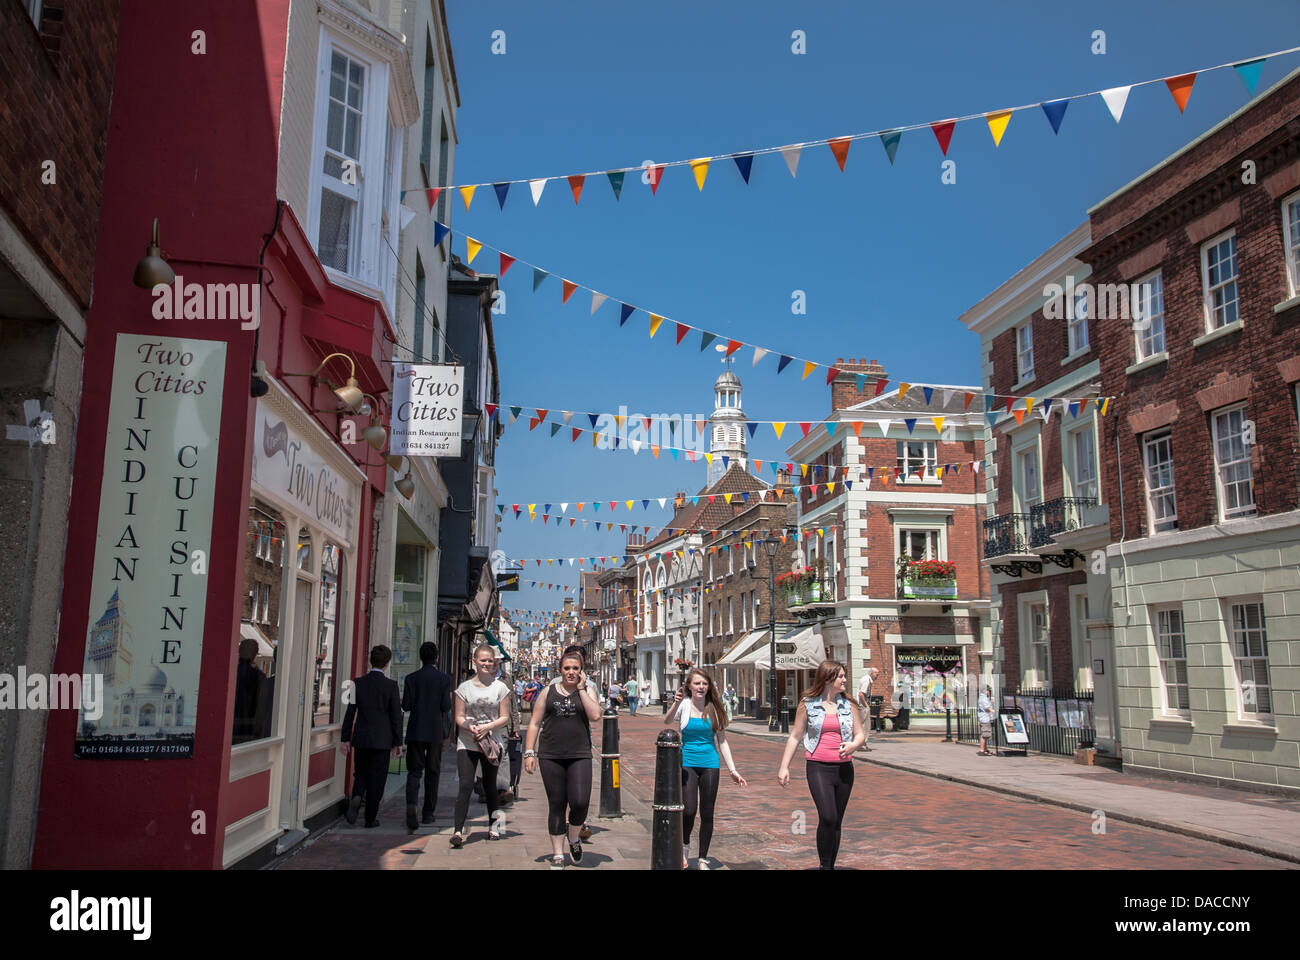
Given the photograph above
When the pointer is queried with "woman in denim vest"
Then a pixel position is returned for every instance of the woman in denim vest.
(831, 728)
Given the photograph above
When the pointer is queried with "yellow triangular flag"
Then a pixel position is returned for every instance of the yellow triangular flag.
(1104, 406)
(709, 458)
(701, 170)
(532, 508)
(938, 424)
(808, 368)
(778, 427)
(619, 420)
(998, 124)
(830, 488)
(902, 390)
(654, 324)
(803, 469)
(726, 497)
(1029, 405)
(629, 504)
(472, 247)
(467, 194)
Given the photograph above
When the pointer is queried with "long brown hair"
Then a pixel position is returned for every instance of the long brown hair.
(825, 675)
(713, 700)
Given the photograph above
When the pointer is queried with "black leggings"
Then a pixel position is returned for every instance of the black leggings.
(699, 788)
(568, 784)
(830, 785)
(466, 762)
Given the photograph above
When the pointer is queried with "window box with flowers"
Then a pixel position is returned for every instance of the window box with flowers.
(683, 664)
(800, 587)
(929, 579)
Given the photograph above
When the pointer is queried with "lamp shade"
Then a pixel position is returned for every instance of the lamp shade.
(771, 545)
(152, 268)
(405, 486)
(394, 461)
(350, 395)
(375, 435)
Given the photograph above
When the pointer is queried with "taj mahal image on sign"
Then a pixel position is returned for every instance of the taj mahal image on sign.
(143, 714)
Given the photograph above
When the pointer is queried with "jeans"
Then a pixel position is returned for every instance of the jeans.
(632, 705)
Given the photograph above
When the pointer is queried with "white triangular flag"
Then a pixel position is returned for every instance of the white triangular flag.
(976, 464)
(635, 445)
(568, 415)
(791, 155)
(883, 425)
(662, 501)
(947, 395)
(1115, 99)
(537, 186)
(406, 215)
(596, 300)
(564, 508)
(759, 354)
(762, 496)
(566, 589)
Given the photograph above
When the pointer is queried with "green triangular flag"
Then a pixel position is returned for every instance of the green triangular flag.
(538, 276)
(555, 428)
(706, 338)
(616, 181)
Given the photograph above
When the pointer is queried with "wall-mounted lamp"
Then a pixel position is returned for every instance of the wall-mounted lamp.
(394, 462)
(375, 435)
(152, 268)
(406, 486)
(349, 395)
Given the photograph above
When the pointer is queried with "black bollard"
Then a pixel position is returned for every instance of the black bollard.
(666, 834)
(610, 803)
(947, 722)
(785, 714)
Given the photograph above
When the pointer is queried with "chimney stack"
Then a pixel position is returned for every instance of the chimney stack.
(844, 388)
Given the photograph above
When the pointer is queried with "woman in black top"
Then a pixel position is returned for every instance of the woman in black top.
(569, 710)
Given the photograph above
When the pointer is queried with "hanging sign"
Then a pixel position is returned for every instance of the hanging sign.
(292, 472)
(427, 400)
(149, 584)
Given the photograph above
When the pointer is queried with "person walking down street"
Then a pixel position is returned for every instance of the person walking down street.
(986, 715)
(731, 702)
(864, 695)
(426, 695)
(631, 687)
(596, 695)
(482, 711)
(830, 725)
(568, 709)
(700, 713)
(372, 725)
(531, 689)
(615, 695)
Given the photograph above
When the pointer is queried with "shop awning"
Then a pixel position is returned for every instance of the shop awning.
(745, 645)
(247, 631)
(799, 651)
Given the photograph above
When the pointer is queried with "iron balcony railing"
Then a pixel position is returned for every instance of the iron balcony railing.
(1008, 533)
(1061, 515)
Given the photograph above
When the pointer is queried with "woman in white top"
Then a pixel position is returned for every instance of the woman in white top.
(482, 710)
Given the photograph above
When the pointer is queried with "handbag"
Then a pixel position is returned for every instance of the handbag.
(490, 749)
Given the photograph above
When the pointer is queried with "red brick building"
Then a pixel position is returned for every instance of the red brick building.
(895, 478)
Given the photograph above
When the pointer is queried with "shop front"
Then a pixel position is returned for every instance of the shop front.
(929, 679)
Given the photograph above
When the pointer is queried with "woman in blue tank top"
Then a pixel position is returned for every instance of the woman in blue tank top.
(702, 717)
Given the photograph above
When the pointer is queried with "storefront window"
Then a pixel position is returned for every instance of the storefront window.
(928, 680)
(332, 579)
(409, 562)
(258, 641)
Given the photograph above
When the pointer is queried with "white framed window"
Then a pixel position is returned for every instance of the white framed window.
(1149, 319)
(1028, 479)
(917, 455)
(340, 162)
(731, 614)
(1291, 231)
(1219, 281)
(1171, 647)
(921, 544)
(1024, 353)
(34, 11)
(1035, 639)
(1076, 328)
(753, 596)
(1081, 640)
(1083, 463)
(1234, 473)
(1249, 641)
(1162, 509)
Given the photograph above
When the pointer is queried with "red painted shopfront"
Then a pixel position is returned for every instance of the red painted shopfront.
(181, 774)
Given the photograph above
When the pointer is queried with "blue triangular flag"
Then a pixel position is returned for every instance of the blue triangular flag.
(862, 381)
(726, 460)
(546, 508)
(1074, 410)
(830, 429)
(706, 338)
(440, 230)
(989, 400)
(911, 425)
(538, 276)
(785, 362)
(626, 310)
(616, 181)
(502, 189)
(751, 427)
(1055, 110)
(929, 392)
(744, 161)
(1249, 72)
(593, 417)
(891, 138)
(848, 484)
(645, 504)
(555, 428)
(744, 496)
(992, 418)
(674, 452)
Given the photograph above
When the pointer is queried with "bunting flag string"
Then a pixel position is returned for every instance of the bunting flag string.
(748, 536)
(680, 331)
(1114, 98)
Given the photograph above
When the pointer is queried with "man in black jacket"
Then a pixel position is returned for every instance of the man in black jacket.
(373, 726)
(427, 695)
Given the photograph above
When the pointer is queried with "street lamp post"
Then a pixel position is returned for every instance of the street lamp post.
(771, 546)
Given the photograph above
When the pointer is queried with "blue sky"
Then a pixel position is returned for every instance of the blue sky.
(889, 257)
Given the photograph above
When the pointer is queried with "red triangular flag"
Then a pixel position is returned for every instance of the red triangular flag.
(969, 398)
(943, 133)
(432, 194)
(506, 262)
(732, 347)
(541, 414)
(840, 148)
(880, 386)
(575, 184)
(805, 427)
(569, 286)
(682, 330)
(576, 431)
(656, 174)
(831, 374)
(1010, 401)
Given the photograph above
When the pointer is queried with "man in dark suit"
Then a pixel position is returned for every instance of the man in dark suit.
(427, 695)
(373, 726)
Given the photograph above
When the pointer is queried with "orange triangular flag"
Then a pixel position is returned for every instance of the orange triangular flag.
(1019, 415)
(840, 148)
(575, 184)
(1181, 88)
(857, 428)
(569, 286)
(808, 368)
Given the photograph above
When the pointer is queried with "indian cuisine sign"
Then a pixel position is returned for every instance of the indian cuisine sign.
(149, 584)
(427, 401)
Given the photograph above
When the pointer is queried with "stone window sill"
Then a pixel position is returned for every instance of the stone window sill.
(1216, 334)
(1174, 723)
(1017, 387)
(1248, 729)
(1083, 352)
(1149, 362)
(1286, 304)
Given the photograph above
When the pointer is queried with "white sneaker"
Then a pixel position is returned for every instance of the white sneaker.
(686, 857)
(703, 864)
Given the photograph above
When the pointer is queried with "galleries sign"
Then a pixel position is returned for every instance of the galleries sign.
(427, 402)
(149, 584)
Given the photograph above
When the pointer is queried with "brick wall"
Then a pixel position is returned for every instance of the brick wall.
(1058, 623)
(1170, 213)
(55, 90)
(1051, 346)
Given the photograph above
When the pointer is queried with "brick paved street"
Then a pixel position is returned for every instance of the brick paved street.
(896, 820)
